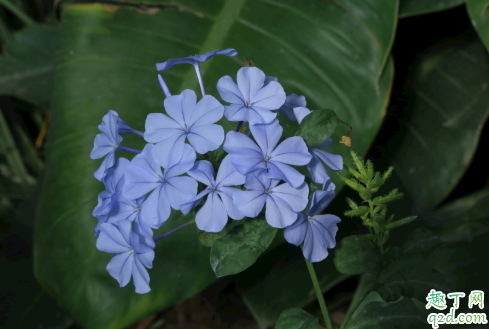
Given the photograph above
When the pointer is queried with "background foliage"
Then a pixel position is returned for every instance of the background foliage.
(417, 102)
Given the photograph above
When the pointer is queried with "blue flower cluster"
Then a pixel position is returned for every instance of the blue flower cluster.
(256, 173)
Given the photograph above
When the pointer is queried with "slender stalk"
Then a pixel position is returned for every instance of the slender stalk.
(163, 85)
(240, 123)
(319, 294)
(199, 77)
(173, 231)
(128, 149)
(17, 12)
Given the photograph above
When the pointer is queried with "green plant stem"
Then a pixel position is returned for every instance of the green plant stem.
(319, 294)
(17, 12)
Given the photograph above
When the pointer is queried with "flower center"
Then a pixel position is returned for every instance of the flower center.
(266, 158)
(248, 103)
(268, 191)
(310, 218)
(162, 180)
(214, 189)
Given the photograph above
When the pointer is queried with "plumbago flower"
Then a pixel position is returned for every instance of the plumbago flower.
(213, 216)
(140, 195)
(132, 256)
(316, 231)
(248, 156)
(282, 201)
(189, 120)
(168, 190)
(250, 99)
(316, 168)
(108, 142)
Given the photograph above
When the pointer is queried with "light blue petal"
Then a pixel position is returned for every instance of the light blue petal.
(320, 237)
(169, 152)
(229, 91)
(179, 190)
(103, 205)
(207, 111)
(250, 81)
(177, 107)
(257, 114)
(159, 127)
(267, 135)
(194, 59)
(294, 100)
(192, 203)
(296, 233)
(329, 226)
(212, 217)
(300, 113)
(278, 213)
(320, 200)
(184, 164)
(247, 165)
(329, 185)
(271, 97)
(140, 278)
(123, 208)
(296, 198)
(120, 267)
(111, 239)
(249, 203)
(269, 79)
(258, 181)
(102, 145)
(203, 172)
(317, 170)
(144, 231)
(206, 138)
(110, 127)
(284, 172)
(107, 163)
(236, 112)
(114, 178)
(146, 258)
(227, 197)
(227, 174)
(142, 176)
(292, 151)
(334, 161)
(240, 145)
(156, 208)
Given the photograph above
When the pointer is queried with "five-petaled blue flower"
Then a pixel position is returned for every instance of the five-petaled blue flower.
(144, 175)
(316, 168)
(194, 59)
(212, 217)
(248, 156)
(283, 201)
(132, 255)
(188, 120)
(316, 231)
(294, 107)
(250, 99)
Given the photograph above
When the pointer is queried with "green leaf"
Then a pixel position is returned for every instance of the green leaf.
(414, 282)
(463, 219)
(450, 106)
(318, 126)
(208, 238)
(419, 7)
(356, 255)
(401, 222)
(105, 60)
(479, 17)
(359, 211)
(271, 285)
(28, 63)
(295, 318)
(240, 248)
(419, 241)
(400, 315)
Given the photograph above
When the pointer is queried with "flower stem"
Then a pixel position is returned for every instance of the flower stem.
(199, 77)
(319, 294)
(173, 231)
(128, 149)
(240, 123)
(163, 85)
(17, 12)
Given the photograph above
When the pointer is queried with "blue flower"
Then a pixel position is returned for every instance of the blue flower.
(144, 175)
(213, 216)
(130, 210)
(113, 181)
(283, 201)
(132, 256)
(294, 107)
(316, 168)
(316, 231)
(248, 156)
(250, 99)
(188, 120)
(108, 142)
(194, 59)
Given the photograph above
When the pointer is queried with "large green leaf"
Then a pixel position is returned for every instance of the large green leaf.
(480, 18)
(419, 7)
(332, 53)
(450, 105)
(356, 255)
(295, 318)
(27, 65)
